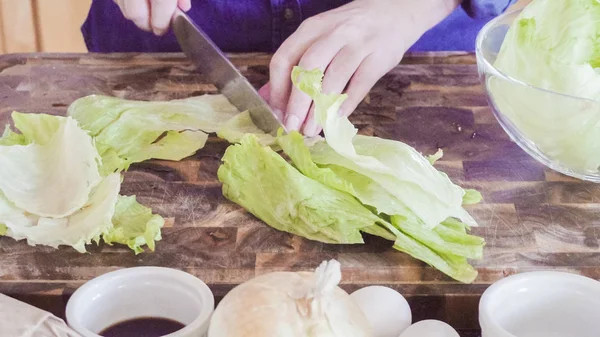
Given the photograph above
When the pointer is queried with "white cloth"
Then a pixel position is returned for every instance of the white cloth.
(18, 319)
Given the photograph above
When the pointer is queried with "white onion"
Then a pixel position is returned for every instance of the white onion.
(288, 304)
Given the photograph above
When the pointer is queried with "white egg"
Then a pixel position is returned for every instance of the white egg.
(386, 310)
(430, 328)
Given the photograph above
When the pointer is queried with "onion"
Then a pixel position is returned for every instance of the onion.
(288, 304)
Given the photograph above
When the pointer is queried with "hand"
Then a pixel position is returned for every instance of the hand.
(152, 15)
(355, 45)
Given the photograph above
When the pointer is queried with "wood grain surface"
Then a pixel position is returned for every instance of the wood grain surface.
(532, 218)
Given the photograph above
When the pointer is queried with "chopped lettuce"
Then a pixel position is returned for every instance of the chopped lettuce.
(472, 197)
(12, 138)
(261, 181)
(240, 125)
(51, 191)
(128, 131)
(134, 225)
(395, 166)
(76, 229)
(554, 45)
(335, 189)
(58, 160)
(446, 247)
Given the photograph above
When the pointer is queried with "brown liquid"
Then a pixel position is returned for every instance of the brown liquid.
(143, 327)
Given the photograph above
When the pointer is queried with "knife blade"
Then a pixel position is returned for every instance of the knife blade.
(213, 64)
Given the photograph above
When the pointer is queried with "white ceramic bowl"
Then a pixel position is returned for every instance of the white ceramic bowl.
(141, 292)
(541, 304)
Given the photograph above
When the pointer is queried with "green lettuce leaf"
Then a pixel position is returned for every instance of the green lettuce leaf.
(59, 159)
(445, 247)
(472, 197)
(239, 126)
(261, 181)
(134, 225)
(76, 230)
(128, 131)
(554, 45)
(435, 157)
(395, 166)
(363, 169)
(12, 138)
(294, 147)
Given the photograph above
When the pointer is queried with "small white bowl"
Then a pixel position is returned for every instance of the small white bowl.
(541, 304)
(141, 292)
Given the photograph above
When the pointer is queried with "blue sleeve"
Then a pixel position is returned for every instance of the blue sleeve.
(485, 9)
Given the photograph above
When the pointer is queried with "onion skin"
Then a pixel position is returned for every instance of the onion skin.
(275, 305)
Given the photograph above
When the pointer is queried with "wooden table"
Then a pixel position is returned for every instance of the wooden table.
(532, 218)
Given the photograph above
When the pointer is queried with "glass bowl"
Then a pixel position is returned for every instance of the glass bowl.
(571, 143)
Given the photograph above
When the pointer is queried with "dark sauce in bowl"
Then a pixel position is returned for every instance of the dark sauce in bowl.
(142, 327)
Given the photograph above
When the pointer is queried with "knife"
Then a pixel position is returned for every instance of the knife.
(211, 62)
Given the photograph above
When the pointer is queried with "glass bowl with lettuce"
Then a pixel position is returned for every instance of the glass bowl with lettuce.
(539, 67)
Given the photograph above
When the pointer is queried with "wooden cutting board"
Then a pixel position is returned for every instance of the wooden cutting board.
(532, 218)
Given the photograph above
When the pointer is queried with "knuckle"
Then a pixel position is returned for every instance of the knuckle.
(316, 20)
(311, 60)
(279, 62)
(349, 30)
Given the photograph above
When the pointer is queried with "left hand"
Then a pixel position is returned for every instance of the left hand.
(355, 45)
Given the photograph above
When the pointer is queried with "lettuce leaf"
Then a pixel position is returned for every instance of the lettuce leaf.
(76, 230)
(134, 225)
(445, 247)
(128, 132)
(554, 45)
(51, 191)
(12, 138)
(395, 166)
(59, 159)
(240, 125)
(265, 184)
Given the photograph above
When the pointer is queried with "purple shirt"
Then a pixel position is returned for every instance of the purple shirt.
(262, 25)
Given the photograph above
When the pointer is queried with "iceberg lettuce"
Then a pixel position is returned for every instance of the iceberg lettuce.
(554, 46)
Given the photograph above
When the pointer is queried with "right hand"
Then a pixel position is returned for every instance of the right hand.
(152, 15)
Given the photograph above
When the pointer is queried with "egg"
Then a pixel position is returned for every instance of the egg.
(430, 328)
(386, 310)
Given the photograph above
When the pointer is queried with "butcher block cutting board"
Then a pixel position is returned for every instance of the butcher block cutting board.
(531, 217)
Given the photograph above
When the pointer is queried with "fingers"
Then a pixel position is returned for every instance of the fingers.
(137, 11)
(185, 5)
(311, 127)
(318, 56)
(341, 69)
(368, 73)
(286, 57)
(336, 78)
(161, 12)
(265, 93)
